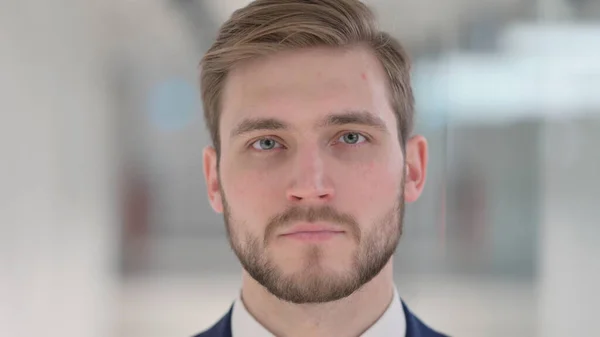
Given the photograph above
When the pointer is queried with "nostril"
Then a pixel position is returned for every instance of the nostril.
(309, 194)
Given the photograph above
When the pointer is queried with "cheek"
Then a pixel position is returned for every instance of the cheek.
(374, 172)
(250, 193)
(371, 184)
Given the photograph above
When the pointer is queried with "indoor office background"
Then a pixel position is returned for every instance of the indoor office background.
(105, 228)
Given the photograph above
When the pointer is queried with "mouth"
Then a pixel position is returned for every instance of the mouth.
(313, 232)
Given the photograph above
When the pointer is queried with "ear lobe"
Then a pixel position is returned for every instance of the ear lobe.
(416, 167)
(211, 176)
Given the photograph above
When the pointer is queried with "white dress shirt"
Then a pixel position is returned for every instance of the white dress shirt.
(391, 323)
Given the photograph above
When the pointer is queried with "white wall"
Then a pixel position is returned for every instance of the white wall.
(569, 251)
(57, 220)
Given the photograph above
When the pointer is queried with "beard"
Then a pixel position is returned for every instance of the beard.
(314, 284)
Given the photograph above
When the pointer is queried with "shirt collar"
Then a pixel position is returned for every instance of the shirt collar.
(391, 323)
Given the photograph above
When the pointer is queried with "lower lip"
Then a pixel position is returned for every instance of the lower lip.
(313, 236)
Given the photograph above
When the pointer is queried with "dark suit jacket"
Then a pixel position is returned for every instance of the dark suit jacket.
(414, 327)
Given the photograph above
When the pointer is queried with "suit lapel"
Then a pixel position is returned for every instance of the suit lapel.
(414, 326)
(221, 329)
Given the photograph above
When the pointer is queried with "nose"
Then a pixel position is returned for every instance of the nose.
(310, 182)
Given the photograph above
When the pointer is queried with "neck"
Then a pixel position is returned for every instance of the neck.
(350, 316)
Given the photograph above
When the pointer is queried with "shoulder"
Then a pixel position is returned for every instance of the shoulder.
(221, 329)
(416, 328)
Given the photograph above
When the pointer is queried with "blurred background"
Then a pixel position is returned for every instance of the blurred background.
(105, 228)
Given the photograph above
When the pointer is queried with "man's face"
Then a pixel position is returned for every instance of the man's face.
(311, 173)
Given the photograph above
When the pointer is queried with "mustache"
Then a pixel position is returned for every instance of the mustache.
(312, 214)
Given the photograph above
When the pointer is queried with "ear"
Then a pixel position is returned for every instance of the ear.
(416, 167)
(211, 175)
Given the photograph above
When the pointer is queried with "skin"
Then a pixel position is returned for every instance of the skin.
(309, 137)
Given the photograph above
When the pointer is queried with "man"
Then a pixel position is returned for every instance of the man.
(310, 111)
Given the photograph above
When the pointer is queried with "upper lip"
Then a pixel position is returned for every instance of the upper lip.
(312, 227)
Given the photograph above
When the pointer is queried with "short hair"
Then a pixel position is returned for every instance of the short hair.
(265, 27)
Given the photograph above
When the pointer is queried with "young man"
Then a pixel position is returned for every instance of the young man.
(310, 111)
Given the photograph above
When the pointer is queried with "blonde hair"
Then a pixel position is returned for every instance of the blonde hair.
(267, 26)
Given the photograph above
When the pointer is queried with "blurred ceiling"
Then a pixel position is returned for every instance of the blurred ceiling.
(424, 25)
(415, 23)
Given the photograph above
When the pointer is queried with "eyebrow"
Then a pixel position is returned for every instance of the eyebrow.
(258, 124)
(354, 117)
(336, 119)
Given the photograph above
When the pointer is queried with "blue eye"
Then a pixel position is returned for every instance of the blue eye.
(351, 138)
(265, 144)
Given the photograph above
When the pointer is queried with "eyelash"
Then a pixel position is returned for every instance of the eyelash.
(367, 139)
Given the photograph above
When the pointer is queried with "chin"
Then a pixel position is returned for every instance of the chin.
(324, 266)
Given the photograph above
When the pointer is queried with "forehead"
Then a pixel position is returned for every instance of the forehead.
(301, 86)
